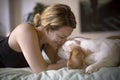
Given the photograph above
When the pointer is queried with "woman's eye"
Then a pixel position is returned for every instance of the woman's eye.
(62, 37)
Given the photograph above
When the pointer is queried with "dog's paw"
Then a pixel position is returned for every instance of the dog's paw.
(91, 69)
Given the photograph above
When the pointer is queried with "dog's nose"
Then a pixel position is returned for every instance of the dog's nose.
(71, 66)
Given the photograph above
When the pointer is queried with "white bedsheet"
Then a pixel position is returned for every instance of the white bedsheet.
(112, 73)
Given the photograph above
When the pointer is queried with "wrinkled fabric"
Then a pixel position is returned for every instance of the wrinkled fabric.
(112, 73)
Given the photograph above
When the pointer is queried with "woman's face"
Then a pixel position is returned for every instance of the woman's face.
(58, 37)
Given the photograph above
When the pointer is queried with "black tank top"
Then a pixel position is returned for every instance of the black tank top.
(9, 57)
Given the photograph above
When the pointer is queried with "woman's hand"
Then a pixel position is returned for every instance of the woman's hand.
(61, 61)
(59, 64)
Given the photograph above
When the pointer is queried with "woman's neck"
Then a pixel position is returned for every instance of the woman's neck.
(42, 36)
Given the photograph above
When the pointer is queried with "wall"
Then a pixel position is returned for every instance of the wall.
(4, 17)
(15, 13)
(20, 8)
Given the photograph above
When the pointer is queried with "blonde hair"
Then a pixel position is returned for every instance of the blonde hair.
(56, 16)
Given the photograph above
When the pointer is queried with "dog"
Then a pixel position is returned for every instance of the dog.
(91, 54)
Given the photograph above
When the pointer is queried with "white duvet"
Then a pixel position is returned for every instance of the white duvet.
(112, 73)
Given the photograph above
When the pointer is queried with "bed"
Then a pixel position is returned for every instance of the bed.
(112, 73)
(105, 73)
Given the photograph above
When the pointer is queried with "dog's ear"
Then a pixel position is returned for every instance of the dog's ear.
(76, 59)
(70, 47)
(73, 45)
(71, 60)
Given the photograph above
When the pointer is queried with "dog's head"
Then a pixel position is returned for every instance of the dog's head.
(76, 59)
(73, 53)
(70, 44)
(76, 54)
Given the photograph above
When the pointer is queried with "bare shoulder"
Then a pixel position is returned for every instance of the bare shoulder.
(24, 26)
(24, 30)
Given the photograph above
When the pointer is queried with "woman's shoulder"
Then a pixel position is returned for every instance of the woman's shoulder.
(25, 25)
(24, 29)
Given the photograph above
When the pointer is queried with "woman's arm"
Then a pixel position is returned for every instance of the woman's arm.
(57, 62)
(60, 64)
(27, 39)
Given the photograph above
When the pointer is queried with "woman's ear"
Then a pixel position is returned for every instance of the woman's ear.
(36, 19)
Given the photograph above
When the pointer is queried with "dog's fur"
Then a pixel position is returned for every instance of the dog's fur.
(91, 54)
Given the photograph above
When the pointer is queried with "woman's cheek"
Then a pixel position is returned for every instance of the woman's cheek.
(56, 42)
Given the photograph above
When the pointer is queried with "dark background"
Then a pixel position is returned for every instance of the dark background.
(100, 18)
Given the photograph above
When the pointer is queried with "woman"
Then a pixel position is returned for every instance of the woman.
(24, 45)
